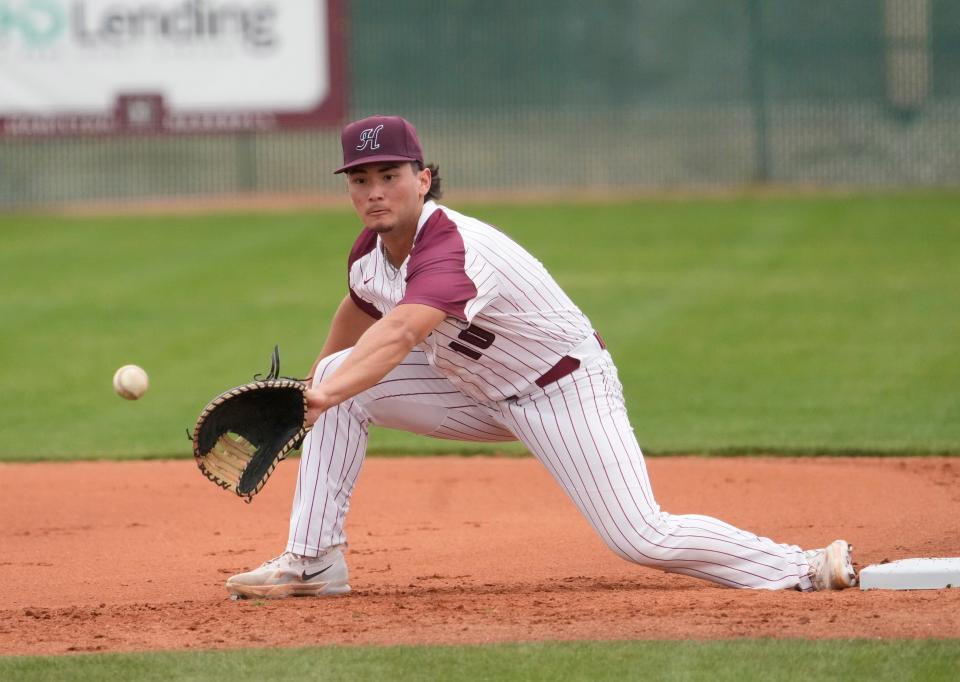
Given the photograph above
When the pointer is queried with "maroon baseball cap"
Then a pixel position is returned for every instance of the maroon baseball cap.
(379, 138)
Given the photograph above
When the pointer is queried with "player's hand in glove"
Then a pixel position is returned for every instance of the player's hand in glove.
(243, 433)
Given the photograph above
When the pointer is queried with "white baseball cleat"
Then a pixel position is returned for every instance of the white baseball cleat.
(292, 575)
(831, 568)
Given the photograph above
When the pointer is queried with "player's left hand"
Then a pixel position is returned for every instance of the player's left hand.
(243, 433)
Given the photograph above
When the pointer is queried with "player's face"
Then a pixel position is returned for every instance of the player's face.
(388, 197)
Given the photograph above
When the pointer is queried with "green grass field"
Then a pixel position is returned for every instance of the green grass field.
(803, 325)
(770, 660)
(797, 325)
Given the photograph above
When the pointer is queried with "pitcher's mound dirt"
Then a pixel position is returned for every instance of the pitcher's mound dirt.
(133, 556)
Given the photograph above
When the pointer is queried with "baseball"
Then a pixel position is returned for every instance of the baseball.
(130, 382)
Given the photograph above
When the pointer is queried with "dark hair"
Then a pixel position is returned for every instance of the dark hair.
(435, 191)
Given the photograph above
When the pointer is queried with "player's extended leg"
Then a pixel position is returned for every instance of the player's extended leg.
(578, 428)
(413, 397)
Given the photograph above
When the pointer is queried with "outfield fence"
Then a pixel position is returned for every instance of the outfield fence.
(570, 95)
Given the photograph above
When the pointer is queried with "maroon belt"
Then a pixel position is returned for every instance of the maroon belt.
(566, 365)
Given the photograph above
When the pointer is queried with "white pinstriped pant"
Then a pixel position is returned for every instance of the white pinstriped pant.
(577, 427)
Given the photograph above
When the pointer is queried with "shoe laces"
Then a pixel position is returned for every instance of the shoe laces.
(275, 561)
(815, 559)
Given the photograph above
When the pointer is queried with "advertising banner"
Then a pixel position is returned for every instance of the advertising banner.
(101, 67)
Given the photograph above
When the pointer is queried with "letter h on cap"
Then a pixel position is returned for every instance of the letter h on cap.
(369, 137)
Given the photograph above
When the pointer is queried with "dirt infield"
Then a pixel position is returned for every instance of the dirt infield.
(132, 556)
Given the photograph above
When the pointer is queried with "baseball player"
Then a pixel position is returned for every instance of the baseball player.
(452, 330)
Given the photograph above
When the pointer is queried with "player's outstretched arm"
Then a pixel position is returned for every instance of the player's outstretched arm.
(347, 326)
(381, 348)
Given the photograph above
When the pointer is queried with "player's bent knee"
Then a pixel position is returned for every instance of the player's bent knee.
(647, 556)
(328, 366)
(640, 551)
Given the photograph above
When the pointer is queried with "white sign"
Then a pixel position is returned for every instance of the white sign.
(216, 63)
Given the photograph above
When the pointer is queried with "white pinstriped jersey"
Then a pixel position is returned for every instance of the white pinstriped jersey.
(508, 322)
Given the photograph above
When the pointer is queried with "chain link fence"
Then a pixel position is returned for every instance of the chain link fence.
(565, 95)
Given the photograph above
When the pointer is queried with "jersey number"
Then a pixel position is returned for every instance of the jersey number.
(475, 336)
